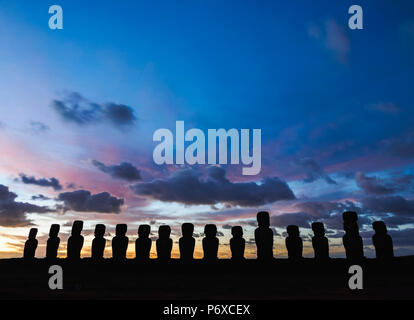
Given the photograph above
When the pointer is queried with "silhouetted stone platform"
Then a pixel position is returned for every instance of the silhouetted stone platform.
(223, 279)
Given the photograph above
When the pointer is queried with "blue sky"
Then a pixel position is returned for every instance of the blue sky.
(334, 106)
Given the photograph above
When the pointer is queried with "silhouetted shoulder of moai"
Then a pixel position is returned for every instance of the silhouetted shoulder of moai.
(187, 242)
(31, 245)
(352, 241)
(263, 236)
(237, 243)
(75, 241)
(294, 243)
(143, 243)
(320, 242)
(382, 241)
(99, 242)
(120, 242)
(210, 242)
(53, 242)
(164, 243)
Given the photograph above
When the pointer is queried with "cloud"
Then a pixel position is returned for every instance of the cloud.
(333, 37)
(187, 186)
(314, 171)
(373, 185)
(124, 171)
(40, 197)
(76, 109)
(330, 213)
(38, 127)
(389, 204)
(52, 182)
(84, 201)
(12, 213)
(300, 219)
(402, 146)
(385, 107)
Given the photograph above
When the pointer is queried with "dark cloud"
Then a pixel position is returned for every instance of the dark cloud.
(52, 182)
(314, 171)
(300, 219)
(227, 226)
(373, 185)
(12, 213)
(40, 197)
(76, 109)
(124, 171)
(84, 201)
(402, 237)
(330, 213)
(391, 204)
(188, 187)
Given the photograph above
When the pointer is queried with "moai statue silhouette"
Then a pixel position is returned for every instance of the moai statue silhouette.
(120, 242)
(237, 243)
(143, 243)
(53, 242)
(187, 242)
(210, 242)
(382, 241)
(31, 245)
(352, 241)
(320, 242)
(294, 243)
(263, 237)
(75, 241)
(164, 243)
(99, 242)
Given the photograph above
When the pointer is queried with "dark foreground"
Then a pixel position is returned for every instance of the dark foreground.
(224, 279)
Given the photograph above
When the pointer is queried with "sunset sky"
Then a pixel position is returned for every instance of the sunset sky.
(79, 106)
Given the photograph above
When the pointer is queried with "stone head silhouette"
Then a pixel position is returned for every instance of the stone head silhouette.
(352, 241)
(33, 233)
(98, 244)
(53, 242)
(237, 232)
(210, 230)
(318, 229)
(143, 243)
(120, 242)
(210, 242)
(164, 243)
(77, 227)
(187, 229)
(382, 241)
(99, 230)
(164, 232)
(294, 243)
(320, 243)
(121, 230)
(75, 241)
(144, 231)
(54, 230)
(237, 243)
(263, 237)
(263, 219)
(350, 216)
(293, 231)
(379, 227)
(30, 245)
(187, 242)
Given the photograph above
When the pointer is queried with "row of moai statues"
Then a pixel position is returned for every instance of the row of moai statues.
(352, 241)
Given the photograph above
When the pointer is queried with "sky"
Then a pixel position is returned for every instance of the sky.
(79, 107)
